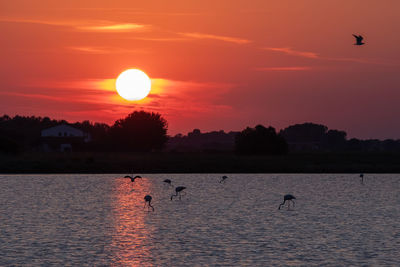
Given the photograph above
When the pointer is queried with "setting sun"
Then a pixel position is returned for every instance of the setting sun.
(133, 84)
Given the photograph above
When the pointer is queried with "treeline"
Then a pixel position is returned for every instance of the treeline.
(298, 138)
(143, 131)
(139, 131)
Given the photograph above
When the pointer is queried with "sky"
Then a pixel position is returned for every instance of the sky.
(214, 64)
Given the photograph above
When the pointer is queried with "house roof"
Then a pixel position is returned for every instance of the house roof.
(62, 130)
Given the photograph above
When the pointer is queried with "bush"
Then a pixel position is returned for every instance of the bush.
(260, 140)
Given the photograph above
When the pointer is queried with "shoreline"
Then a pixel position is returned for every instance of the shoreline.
(114, 163)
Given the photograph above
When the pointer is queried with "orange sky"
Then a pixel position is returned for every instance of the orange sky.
(214, 65)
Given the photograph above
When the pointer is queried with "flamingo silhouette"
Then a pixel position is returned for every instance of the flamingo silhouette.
(133, 178)
(362, 177)
(223, 178)
(289, 198)
(147, 200)
(168, 181)
(359, 39)
(178, 192)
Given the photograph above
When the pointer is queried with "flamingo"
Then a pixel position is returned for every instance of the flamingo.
(223, 178)
(289, 198)
(147, 200)
(178, 191)
(362, 177)
(168, 181)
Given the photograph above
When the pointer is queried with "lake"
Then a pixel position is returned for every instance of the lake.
(99, 220)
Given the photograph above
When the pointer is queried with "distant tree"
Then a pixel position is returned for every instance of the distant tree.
(197, 141)
(260, 140)
(8, 146)
(354, 145)
(195, 133)
(304, 133)
(334, 140)
(24, 130)
(139, 131)
(391, 145)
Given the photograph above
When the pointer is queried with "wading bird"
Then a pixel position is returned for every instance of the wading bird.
(289, 198)
(147, 200)
(178, 192)
(167, 181)
(362, 177)
(223, 178)
(133, 178)
(359, 39)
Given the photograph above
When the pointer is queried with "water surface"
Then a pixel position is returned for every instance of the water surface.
(98, 220)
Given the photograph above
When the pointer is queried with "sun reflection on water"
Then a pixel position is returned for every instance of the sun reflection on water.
(131, 234)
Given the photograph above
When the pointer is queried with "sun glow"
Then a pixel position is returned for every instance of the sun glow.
(133, 84)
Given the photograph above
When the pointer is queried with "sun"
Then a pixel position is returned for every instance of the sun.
(133, 84)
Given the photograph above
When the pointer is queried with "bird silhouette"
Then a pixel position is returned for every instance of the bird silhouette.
(147, 200)
(289, 198)
(359, 39)
(168, 182)
(362, 177)
(178, 192)
(223, 178)
(133, 178)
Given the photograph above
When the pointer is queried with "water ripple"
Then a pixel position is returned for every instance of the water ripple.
(99, 220)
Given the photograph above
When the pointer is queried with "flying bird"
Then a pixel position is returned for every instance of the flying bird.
(359, 39)
(289, 198)
(223, 178)
(147, 200)
(178, 192)
(133, 178)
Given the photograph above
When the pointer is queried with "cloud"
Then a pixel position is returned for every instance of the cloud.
(125, 27)
(312, 55)
(34, 96)
(374, 61)
(89, 26)
(97, 100)
(290, 51)
(162, 39)
(297, 68)
(172, 97)
(104, 50)
(195, 35)
(188, 92)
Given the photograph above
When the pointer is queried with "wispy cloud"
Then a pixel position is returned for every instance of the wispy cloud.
(163, 39)
(125, 27)
(313, 55)
(104, 50)
(290, 51)
(374, 61)
(172, 96)
(97, 99)
(296, 68)
(33, 96)
(195, 35)
(35, 21)
(90, 26)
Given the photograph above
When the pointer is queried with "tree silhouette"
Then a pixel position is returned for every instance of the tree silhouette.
(260, 140)
(305, 132)
(334, 140)
(139, 131)
(310, 136)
